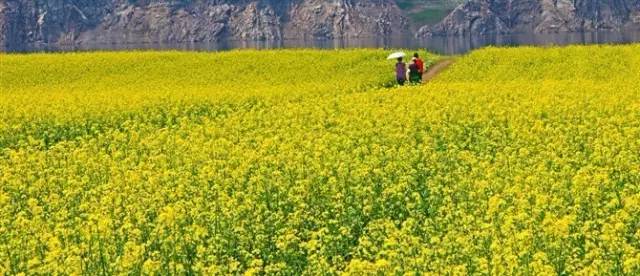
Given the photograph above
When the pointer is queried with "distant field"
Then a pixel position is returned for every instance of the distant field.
(514, 161)
(81, 93)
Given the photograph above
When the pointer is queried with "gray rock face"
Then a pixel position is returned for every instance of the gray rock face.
(72, 22)
(141, 21)
(539, 16)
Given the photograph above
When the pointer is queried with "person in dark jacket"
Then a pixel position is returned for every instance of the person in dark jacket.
(415, 77)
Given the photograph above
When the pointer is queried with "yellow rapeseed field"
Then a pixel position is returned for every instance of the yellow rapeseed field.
(520, 161)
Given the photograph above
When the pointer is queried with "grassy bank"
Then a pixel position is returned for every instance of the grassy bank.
(427, 12)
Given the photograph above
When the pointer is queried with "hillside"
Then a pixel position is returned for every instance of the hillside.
(72, 22)
(538, 16)
(130, 21)
(427, 12)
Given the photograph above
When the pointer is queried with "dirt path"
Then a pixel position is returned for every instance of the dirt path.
(436, 69)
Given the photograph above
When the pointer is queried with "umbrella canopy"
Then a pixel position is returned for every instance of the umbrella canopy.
(396, 55)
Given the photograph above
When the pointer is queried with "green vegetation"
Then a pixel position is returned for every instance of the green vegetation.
(427, 12)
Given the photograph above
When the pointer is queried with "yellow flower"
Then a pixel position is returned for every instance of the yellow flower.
(298, 162)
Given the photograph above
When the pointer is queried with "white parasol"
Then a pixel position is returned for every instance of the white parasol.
(396, 55)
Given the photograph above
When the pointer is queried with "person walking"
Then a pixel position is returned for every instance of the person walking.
(401, 71)
(414, 72)
(420, 63)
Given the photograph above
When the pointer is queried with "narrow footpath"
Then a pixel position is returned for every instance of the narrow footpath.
(436, 69)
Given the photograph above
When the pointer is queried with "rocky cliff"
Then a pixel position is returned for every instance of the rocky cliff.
(72, 22)
(539, 16)
(142, 21)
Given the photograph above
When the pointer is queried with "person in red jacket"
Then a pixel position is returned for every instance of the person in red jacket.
(420, 63)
